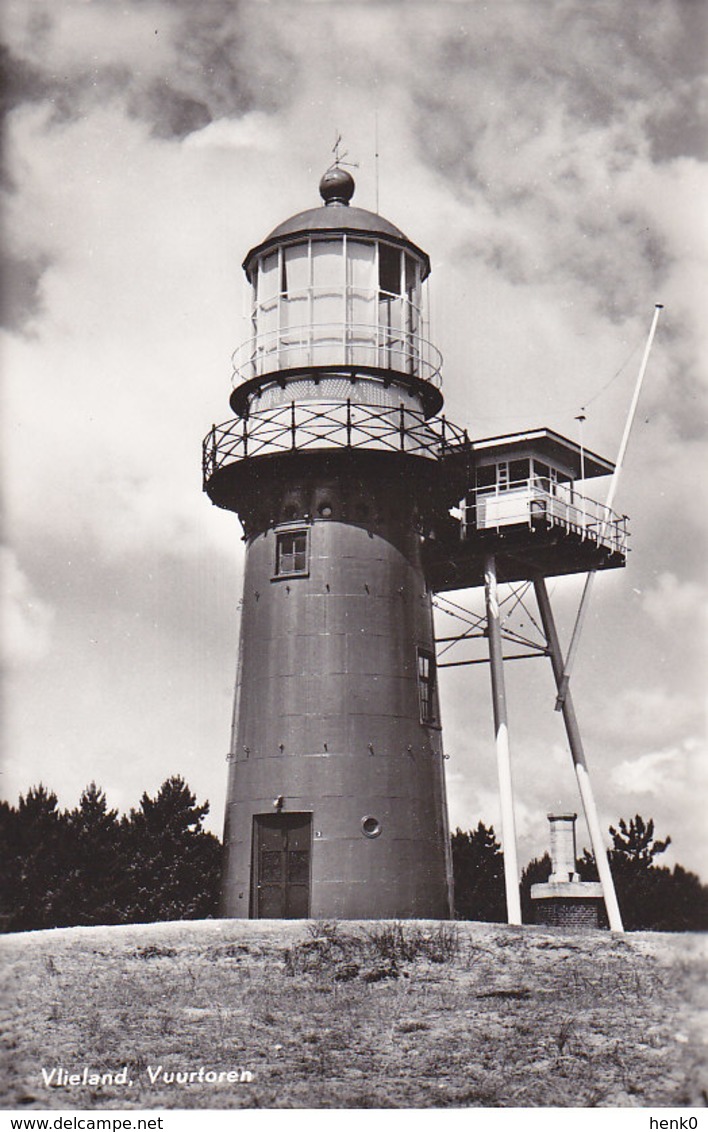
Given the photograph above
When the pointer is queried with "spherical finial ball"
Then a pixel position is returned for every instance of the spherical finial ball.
(337, 186)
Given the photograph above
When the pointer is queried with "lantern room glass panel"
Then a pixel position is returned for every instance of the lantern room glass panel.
(267, 281)
(361, 303)
(295, 306)
(266, 312)
(328, 314)
(328, 300)
(391, 323)
(412, 312)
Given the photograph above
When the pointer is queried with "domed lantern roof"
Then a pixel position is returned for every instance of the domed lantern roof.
(336, 217)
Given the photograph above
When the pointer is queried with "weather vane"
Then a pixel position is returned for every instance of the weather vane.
(339, 157)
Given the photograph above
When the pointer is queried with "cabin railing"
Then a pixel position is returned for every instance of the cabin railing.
(538, 502)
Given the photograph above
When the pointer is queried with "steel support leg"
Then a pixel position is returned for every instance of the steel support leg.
(501, 728)
(581, 767)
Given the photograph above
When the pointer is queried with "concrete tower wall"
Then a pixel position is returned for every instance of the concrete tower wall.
(327, 720)
(336, 803)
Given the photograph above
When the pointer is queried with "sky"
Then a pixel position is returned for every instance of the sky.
(550, 158)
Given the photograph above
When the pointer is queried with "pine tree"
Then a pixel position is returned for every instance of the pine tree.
(536, 872)
(38, 863)
(92, 889)
(478, 870)
(650, 897)
(634, 845)
(10, 871)
(173, 866)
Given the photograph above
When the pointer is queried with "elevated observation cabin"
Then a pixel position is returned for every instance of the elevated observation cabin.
(525, 502)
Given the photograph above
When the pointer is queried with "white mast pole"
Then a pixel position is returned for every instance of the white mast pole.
(587, 589)
(501, 732)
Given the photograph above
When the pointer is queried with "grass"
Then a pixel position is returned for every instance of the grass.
(358, 1015)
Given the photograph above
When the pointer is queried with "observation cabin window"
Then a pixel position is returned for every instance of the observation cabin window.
(518, 472)
(504, 475)
(542, 474)
(428, 688)
(566, 484)
(487, 477)
(291, 554)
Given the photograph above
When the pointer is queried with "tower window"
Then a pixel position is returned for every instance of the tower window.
(427, 688)
(291, 554)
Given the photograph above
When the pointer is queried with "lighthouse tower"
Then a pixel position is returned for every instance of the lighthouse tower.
(335, 462)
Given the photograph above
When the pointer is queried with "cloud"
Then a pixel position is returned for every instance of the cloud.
(669, 784)
(676, 769)
(172, 68)
(671, 600)
(555, 164)
(252, 131)
(26, 620)
(22, 82)
(20, 289)
(649, 714)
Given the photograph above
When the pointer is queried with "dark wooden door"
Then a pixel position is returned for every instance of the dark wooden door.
(282, 866)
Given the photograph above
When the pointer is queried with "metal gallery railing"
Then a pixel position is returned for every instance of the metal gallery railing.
(337, 343)
(535, 501)
(320, 425)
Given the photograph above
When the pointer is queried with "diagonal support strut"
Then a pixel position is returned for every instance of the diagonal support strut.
(579, 761)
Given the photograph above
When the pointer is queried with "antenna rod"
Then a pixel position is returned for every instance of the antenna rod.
(581, 418)
(587, 589)
(376, 156)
